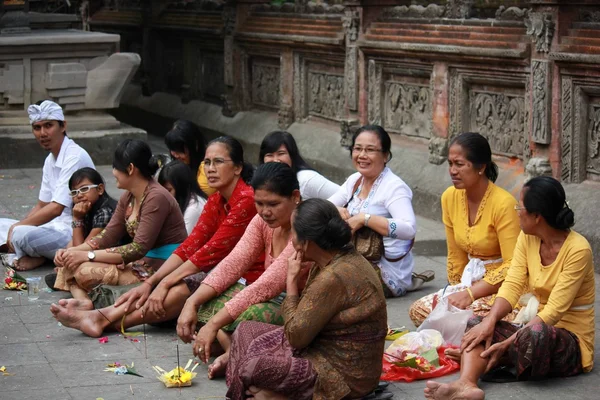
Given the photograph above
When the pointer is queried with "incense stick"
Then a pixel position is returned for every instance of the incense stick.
(178, 373)
(145, 343)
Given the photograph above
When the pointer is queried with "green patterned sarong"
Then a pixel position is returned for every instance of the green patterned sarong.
(269, 312)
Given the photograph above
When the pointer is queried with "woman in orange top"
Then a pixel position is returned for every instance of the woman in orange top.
(481, 226)
(558, 341)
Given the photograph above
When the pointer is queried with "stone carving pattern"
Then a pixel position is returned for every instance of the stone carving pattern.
(229, 17)
(576, 165)
(511, 13)
(351, 77)
(593, 139)
(265, 85)
(326, 95)
(351, 24)
(459, 9)
(347, 129)
(300, 6)
(452, 103)
(567, 130)
(541, 102)
(299, 108)
(374, 108)
(438, 150)
(212, 71)
(415, 11)
(228, 60)
(537, 166)
(501, 119)
(540, 27)
(589, 16)
(408, 108)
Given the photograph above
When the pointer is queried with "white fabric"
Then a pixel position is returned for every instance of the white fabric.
(391, 198)
(192, 212)
(473, 272)
(55, 181)
(315, 186)
(38, 241)
(47, 111)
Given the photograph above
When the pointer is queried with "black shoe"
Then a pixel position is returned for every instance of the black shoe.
(51, 280)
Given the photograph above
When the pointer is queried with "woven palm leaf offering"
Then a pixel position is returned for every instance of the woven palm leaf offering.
(13, 281)
(177, 377)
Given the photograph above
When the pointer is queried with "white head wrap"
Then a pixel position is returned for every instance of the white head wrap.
(47, 111)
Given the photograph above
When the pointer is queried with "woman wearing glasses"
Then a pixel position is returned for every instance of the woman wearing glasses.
(376, 198)
(147, 217)
(163, 293)
(481, 227)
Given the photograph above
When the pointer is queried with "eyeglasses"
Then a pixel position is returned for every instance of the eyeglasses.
(519, 208)
(217, 162)
(368, 150)
(82, 190)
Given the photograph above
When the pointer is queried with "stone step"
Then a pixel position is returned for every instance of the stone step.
(572, 48)
(442, 27)
(580, 41)
(447, 42)
(306, 31)
(586, 25)
(591, 33)
(446, 34)
(293, 20)
(122, 16)
(195, 21)
(283, 25)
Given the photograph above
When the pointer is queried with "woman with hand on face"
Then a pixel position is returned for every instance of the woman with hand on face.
(146, 214)
(556, 264)
(222, 223)
(481, 227)
(331, 346)
(92, 209)
(280, 146)
(376, 198)
(276, 195)
(178, 179)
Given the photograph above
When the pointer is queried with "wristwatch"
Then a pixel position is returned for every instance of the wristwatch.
(91, 255)
(367, 218)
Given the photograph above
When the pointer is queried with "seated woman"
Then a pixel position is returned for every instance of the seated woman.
(481, 226)
(178, 179)
(186, 144)
(332, 343)
(280, 146)
(376, 198)
(146, 212)
(557, 264)
(92, 209)
(276, 195)
(222, 223)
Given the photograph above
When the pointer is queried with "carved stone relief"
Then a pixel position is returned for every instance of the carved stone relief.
(501, 119)
(347, 129)
(460, 9)
(325, 95)
(593, 141)
(211, 75)
(300, 6)
(511, 13)
(408, 108)
(438, 150)
(351, 24)
(566, 172)
(351, 77)
(589, 16)
(541, 102)
(265, 84)
(540, 26)
(374, 107)
(538, 166)
(415, 11)
(229, 17)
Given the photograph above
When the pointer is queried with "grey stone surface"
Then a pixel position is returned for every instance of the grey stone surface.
(53, 362)
(106, 82)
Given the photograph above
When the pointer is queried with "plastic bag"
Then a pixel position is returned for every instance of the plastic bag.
(416, 343)
(393, 372)
(450, 321)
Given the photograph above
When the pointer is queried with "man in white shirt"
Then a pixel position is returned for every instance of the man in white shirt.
(47, 227)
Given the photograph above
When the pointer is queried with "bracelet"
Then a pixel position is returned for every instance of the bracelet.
(148, 284)
(367, 218)
(471, 294)
(78, 223)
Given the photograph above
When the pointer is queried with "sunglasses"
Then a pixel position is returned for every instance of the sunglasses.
(82, 190)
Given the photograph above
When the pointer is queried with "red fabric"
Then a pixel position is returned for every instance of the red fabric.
(393, 372)
(219, 228)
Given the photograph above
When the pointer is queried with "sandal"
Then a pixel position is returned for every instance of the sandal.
(500, 375)
(50, 280)
(375, 395)
(425, 276)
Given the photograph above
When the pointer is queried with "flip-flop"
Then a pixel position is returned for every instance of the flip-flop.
(425, 276)
(381, 386)
(500, 375)
(375, 395)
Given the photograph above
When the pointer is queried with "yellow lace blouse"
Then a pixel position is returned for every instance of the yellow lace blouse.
(203, 181)
(492, 236)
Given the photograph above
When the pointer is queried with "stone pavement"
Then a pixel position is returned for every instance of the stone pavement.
(53, 362)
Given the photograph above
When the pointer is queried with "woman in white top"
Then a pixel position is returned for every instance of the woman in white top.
(375, 197)
(179, 180)
(280, 146)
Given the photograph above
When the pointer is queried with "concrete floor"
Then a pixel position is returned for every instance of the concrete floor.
(53, 362)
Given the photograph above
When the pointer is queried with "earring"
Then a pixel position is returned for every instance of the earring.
(480, 173)
(297, 202)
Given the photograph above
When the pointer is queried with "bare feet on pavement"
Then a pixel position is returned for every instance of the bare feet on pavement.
(456, 390)
(218, 367)
(75, 304)
(27, 263)
(88, 322)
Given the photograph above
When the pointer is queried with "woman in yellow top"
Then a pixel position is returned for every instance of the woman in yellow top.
(557, 264)
(481, 227)
(186, 144)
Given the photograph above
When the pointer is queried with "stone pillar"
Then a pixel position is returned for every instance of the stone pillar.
(351, 23)
(286, 89)
(230, 105)
(438, 142)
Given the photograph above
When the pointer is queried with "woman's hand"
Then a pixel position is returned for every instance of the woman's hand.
(186, 323)
(139, 293)
(155, 303)
(203, 340)
(460, 299)
(496, 351)
(295, 266)
(356, 222)
(59, 258)
(74, 258)
(80, 210)
(481, 333)
(343, 213)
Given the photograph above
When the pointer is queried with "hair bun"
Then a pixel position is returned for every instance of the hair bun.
(338, 232)
(565, 218)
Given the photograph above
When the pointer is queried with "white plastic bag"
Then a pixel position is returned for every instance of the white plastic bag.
(450, 321)
(416, 342)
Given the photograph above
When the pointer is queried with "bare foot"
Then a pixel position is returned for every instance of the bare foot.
(75, 304)
(218, 367)
(88, 322)
(456, 390)
(453, 354)
(27, 263)
(264, 394)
